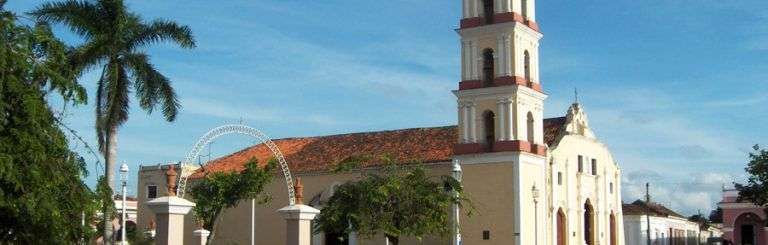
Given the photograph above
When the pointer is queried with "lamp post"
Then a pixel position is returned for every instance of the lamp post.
(457, 174)
(535, 194)
(124, 179)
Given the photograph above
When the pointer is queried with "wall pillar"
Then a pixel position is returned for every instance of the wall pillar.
(764, 237)
(501, 120)
(169, 213)
(201, 236)
(298, 219)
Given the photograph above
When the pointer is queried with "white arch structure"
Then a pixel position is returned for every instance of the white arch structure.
(235, 129)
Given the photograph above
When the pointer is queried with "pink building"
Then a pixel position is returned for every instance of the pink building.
(743, 223)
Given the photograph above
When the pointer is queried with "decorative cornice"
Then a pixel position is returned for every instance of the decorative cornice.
(494, 29)
(499, 18)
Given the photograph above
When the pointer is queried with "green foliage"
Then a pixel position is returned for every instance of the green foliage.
(400, 200)
(114, 41)
(756, 189)
(716, 216)
(42, 195)
(104, 201)
(221, 190)
(351, 163)
(703, 222)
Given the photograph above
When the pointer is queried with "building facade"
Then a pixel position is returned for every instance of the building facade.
(667, 227)
(532, 180)
(743, 222)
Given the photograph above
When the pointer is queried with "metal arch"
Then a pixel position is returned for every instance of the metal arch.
(235, 129)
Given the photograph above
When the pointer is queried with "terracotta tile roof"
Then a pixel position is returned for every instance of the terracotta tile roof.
(322, 153)
(552, 129)
(654, 209)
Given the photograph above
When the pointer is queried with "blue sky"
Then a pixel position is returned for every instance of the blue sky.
(675, 88)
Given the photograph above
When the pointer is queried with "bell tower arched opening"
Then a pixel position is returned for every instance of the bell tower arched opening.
(489, 123)
(488, 11)
(488, 68)
(530, 127)
(527, 67)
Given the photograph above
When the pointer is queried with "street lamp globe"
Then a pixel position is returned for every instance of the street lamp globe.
(124, 171)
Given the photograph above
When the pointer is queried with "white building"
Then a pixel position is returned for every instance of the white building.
(667, 226)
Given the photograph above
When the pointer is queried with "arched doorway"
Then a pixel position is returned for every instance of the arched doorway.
(562, 230)
(613, 230)
(746, 228)
(589, 223)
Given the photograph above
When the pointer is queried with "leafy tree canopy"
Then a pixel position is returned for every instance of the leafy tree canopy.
(703, 222)
(716, 216)
(221, 190)
(42, 195)
(756, 188)
(398, 200)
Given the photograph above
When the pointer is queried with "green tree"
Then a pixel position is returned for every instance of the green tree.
(716, 216)
(756, 188)
(42, 195)
(399, 200)
(115, 39)
(104, 202)
(703, 222)
(221, 190)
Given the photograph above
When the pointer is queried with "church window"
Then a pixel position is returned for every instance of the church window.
(594, 166)
(530, 127)
(559, 178)
(488, 72)
(486, 235)
(581, 164)
(151, 191)
(488, 11)
(527, 66)
(490, 127)
(610, 187)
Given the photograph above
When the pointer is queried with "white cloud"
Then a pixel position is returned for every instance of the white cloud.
(253, 113)
(685, 193)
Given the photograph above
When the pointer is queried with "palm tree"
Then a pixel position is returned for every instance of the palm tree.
(114, 39)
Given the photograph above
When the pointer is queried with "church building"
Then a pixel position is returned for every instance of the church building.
(532, 180)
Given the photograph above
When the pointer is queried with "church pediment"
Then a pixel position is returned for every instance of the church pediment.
(577, 122)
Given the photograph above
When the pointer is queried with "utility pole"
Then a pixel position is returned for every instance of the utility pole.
(647, 214)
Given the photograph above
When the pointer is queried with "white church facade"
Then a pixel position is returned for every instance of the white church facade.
(532, 180)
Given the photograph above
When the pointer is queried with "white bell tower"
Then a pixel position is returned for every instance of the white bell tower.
(500, 95)
(500, 108)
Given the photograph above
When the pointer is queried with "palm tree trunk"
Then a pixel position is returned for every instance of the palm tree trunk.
(109, 158)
